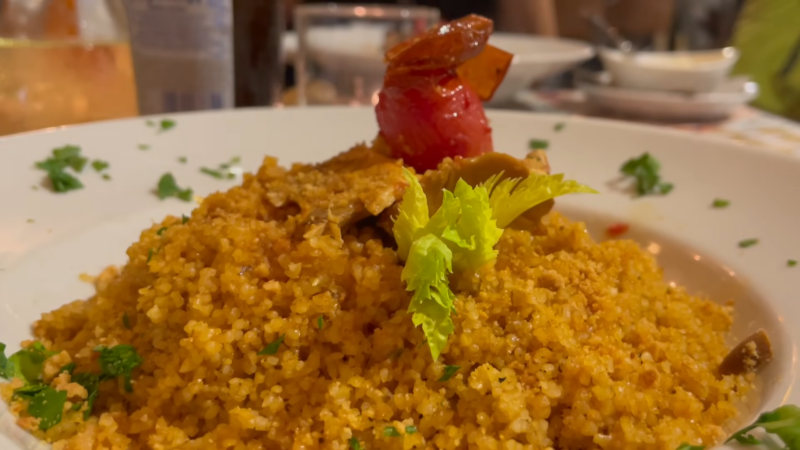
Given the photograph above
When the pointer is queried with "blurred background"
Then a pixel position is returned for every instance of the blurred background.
(730, 65)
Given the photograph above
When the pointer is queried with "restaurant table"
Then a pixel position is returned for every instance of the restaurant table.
(747, 125)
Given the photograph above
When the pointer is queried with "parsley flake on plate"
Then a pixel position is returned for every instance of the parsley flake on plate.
(538, 144)
(161, 230)
(3, 361)
(47, 406)
(162, 125)
(791, 263)
(645, 170)
(69, 368)
(223, 171)
(720, 203)
(320, 322)
(183, 160)
(99, 165)
(449, 371)
(143, 147)
(126, 321)
(28, 364)
(411, 429)
(91, 383)
(119, 361)
(272, 347)
(354, 444)
(686, 446)
(62, 158)
(184, 219)
(559, 126)
(168, 187)
(748, 243)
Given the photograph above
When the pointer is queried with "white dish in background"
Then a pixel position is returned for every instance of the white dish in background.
(86, 230)
(357, 49)
(695, 71)
(672, 106)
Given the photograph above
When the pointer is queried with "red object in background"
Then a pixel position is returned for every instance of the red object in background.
(618, 229)
(426, 111)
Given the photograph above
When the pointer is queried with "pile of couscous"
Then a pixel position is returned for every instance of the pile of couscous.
(275, 318)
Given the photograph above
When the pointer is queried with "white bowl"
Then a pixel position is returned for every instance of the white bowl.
(699, 71)
(342, 51)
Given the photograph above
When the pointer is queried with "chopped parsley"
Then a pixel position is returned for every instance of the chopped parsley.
(126, 321)
(748, 243)
(223, 171)
(143, 147)
(354, 444)
(91, 383)
(167, 187)
(69, 368)
(106, 176)
(538, 144)
(645, 170)
(411, 429)
(161, 230)
(183, 160)
(320, 322)
(99, 165)
(65, 157)
(720, 203)
(150, 254)
(27, 364)
(559, 126)
(686, 446)
(449, 371)
(3, 361)
(119, 361)
(184, 219)
(47, 406)
(30, 221)
(272, 347)
(391, 432)
(791, 263)
(162, 125)
(783, 422)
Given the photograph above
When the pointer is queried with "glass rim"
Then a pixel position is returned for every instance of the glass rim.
(366, 11)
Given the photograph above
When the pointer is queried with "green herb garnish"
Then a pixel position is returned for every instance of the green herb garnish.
(3, 361)
(167, 187)
(748, 243)
(272, 347)
(449, 371)
(538, 144)
(106, 176)
(214, 173)
(223, 172)
(69, 368)
(354, 444)
(686, 446)
(143, 147)
(27, 364)
(320, 322)
(99, 165)
(791, 263)
(783, 422)
(165, 125)
(119, 361)
(461, 235)
(161, 230)
(183, 160)
(391, 432)
(150, 254)
(65, 157)
(184, 219)
(720, 203)
(559, 126)
(91, 383)
(46, 406)
(646, 171)
(411, 429)
(126, 321)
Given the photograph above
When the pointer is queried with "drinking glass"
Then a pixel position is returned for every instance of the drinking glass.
(63, 62)
(339, 59)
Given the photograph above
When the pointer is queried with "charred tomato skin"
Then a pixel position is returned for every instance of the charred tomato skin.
(431, 115)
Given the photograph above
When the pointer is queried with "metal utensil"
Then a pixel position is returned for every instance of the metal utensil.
(611, 34)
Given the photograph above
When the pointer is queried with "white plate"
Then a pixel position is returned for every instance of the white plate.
(85, 230)
(672, 106)
(357, 50)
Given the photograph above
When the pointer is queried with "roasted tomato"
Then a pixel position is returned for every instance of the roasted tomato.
(430, 105)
